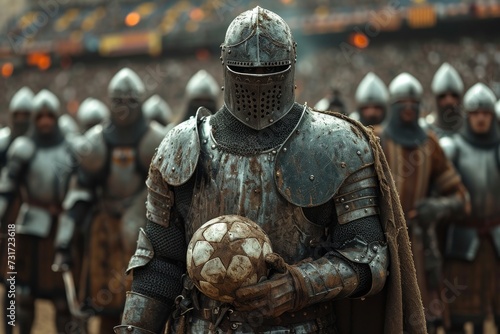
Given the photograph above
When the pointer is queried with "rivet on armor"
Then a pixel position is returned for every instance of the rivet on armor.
(130, 328)
(342, 199)
(213, 147)
(247, 119)
(366, 210)
(284, 149)
(346, 207)
(356, 259)
(311, 177)
(271, 120)
(371, 200)
(273, 152)
(205, 141)
(173, 169)
(229, 51)
(295, 86)
(216, 310)
(234, 325)
(222, 88)
(358, 152)
(375, 248)
(160, 157)
(343, 165)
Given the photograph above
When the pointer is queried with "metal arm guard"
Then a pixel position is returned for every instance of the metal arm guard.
(357, 210)
(142, 315)
(333, 277)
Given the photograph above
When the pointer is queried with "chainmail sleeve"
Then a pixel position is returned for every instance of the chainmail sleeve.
(159, 261)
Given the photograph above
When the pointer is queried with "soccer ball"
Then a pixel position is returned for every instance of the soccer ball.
(226, 253)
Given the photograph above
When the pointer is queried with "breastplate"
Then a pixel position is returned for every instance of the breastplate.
(48, 174)
(481, 176)
(124, 180)
(244, 185)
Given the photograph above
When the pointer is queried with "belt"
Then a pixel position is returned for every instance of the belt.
(233, 319)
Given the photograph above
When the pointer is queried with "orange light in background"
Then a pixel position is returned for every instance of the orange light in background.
(72, 107)
(202, 54)
(44, 63)
(286, 2)
(196, 14)
(7, 70)
(132, 19)
(359, 40)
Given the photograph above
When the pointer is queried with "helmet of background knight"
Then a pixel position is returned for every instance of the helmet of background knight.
(126, 92)
(91, 112)
(478, 97)
(405, 87)
(202, 90)
(447, 80)
(20, 109)
(258, 56)
(373, 92)
(46, 101)
(157, 109)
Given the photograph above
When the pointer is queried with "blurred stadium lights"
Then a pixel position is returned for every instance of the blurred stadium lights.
(359, 40)
(7, 70)
(132, 19)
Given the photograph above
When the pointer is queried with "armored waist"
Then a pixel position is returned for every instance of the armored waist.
(319, 317)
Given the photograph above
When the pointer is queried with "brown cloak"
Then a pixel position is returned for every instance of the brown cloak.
(398, 308)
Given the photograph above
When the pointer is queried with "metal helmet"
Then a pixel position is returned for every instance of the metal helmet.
(126, 84)
(91, 112)
(202, 85)
(258, 38)
(479, 96)
(46, 100)
(446, 80)
(371, 91)
(157, 109)
(405, 86)
(22, 101)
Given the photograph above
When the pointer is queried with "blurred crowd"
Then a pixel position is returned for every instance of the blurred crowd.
(342, 68)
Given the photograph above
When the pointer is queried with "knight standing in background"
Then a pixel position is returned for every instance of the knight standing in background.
(448, 88)
(202, 90)
(90, 113)
(157, 110)
(418, 164)
(312, 181)
(40, 165)
(473, 242)
(371, 99)
(114, 160)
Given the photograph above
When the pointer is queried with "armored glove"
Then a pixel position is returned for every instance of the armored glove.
(279, 294)
(432, 210)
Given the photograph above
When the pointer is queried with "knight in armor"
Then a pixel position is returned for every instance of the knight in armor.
(39, 165)
(332, 102)
(372, 99)
(473, 242)
(311, 180)
(90, 113)
(113, 163)
(202, 90)
(448, 88)
(20, 108)
(418, 164)
(157, 110)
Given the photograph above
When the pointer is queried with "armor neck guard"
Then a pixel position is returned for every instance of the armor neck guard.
(125, 135)
(407, 135)
(236, 138)
(487, 140)
(48, 140)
